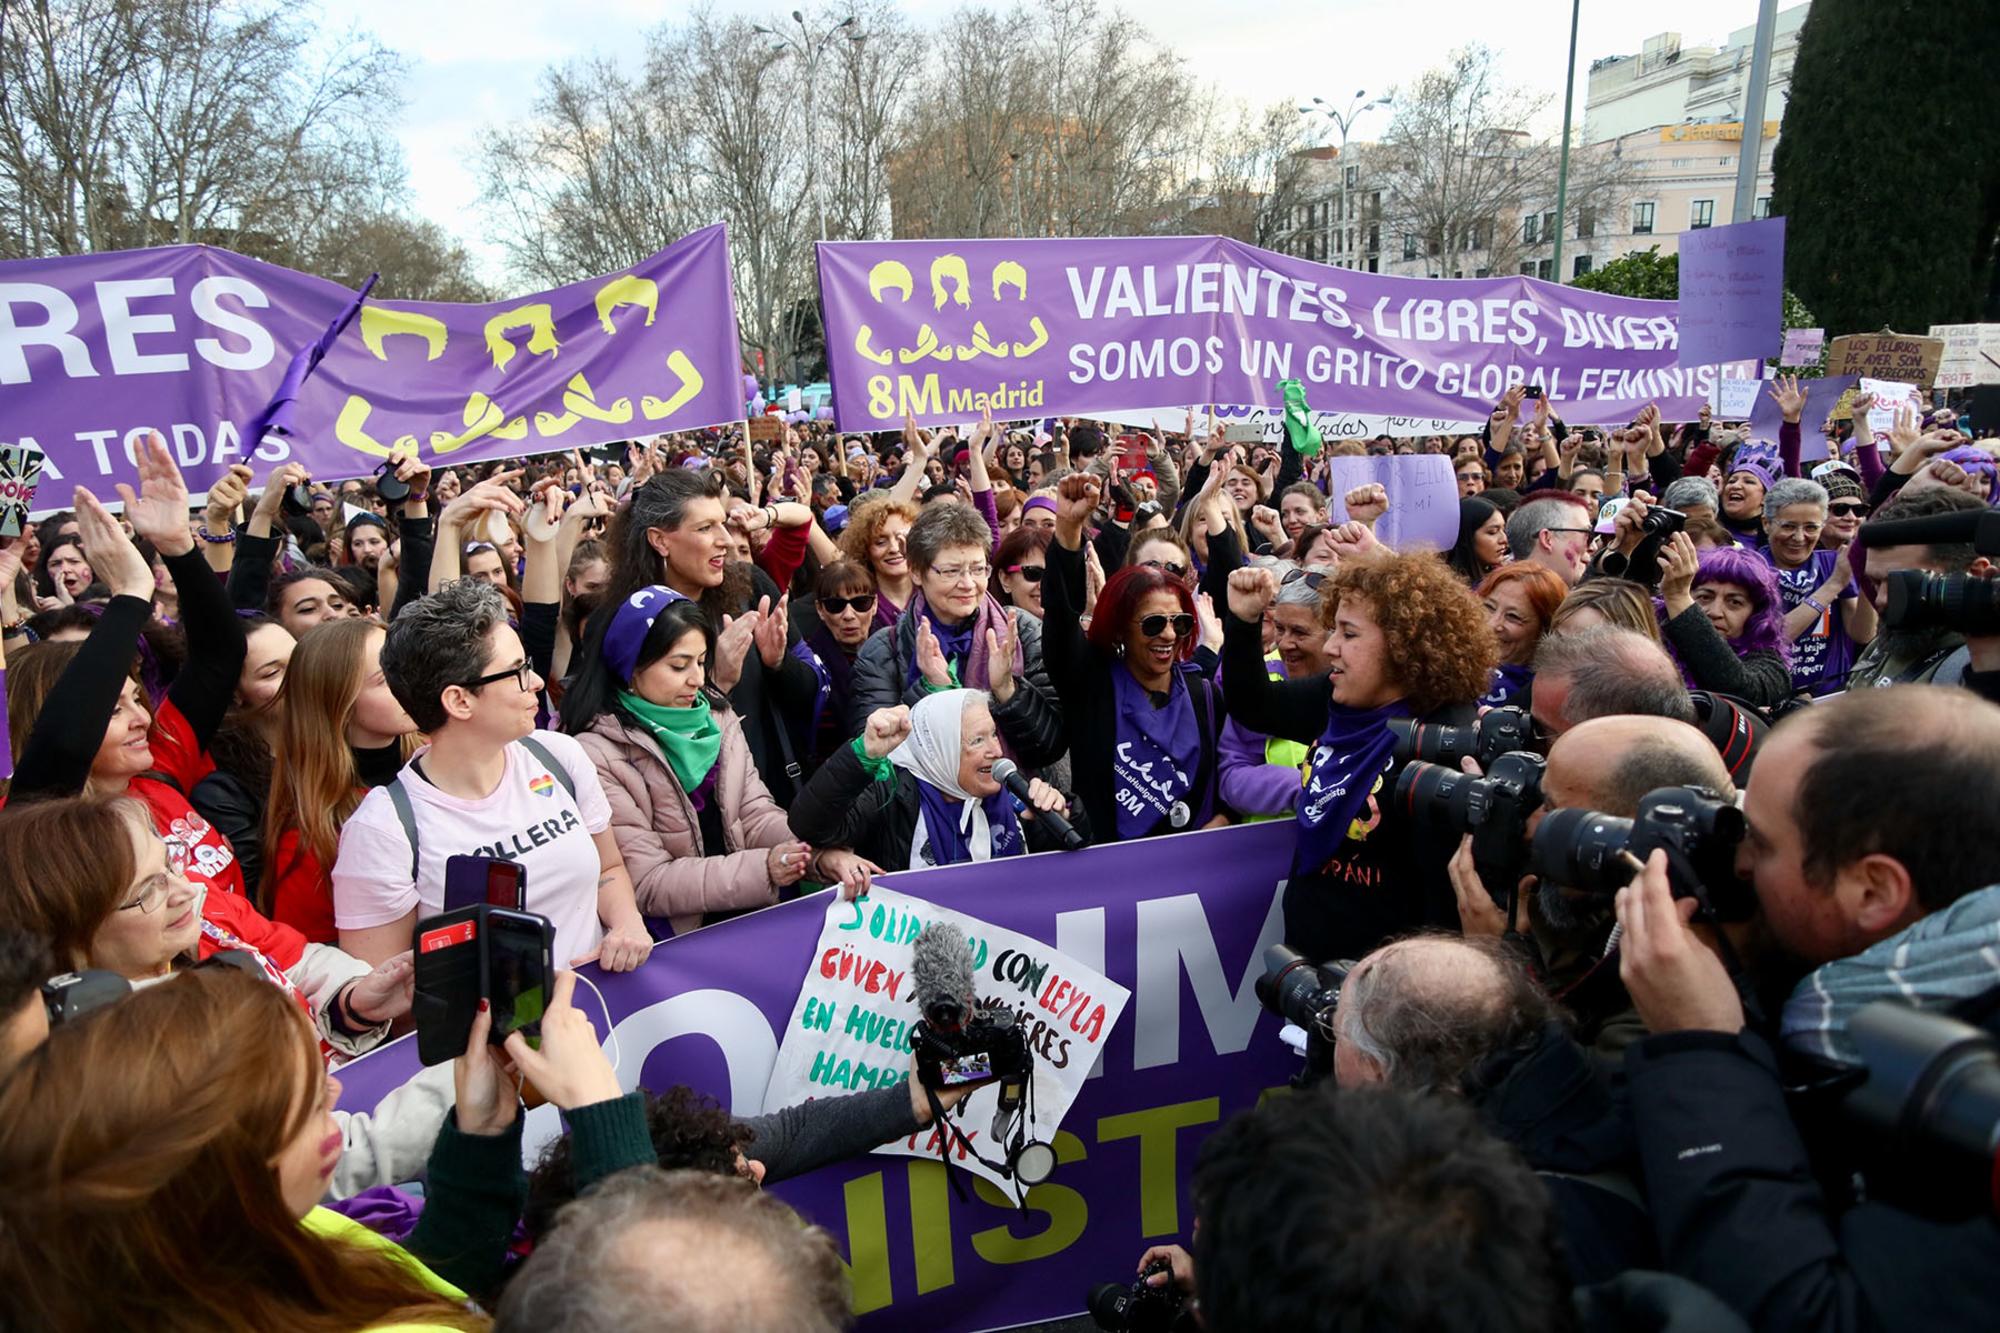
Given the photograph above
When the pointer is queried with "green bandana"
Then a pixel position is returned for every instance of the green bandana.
(689, 736)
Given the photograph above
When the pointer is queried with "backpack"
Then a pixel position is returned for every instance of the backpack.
(399, 795)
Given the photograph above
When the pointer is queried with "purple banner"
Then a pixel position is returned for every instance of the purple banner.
(192, 341)
(1732, 292)
(1034, 328)
(1182, 921)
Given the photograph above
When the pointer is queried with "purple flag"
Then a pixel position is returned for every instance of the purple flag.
(1180, 921)
(96, 350)
(1033, 328)
(1732, 292)
(277, 414)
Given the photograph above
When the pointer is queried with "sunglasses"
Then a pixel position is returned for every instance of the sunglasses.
(1851, 510)
(835, 605)
(1032, 573)
(1154, 626)
(1313, 577)
(1172, 567)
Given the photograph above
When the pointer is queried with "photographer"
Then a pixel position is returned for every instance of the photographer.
(1935, 655)
(1869, 841)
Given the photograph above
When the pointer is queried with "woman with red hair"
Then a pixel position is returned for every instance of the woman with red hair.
(1520, 601)
(1143, 721)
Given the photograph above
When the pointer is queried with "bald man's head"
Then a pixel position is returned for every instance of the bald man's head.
(1422, 1013)
(1608, 764)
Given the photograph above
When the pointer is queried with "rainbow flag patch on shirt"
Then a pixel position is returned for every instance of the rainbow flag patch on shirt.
(542, 784)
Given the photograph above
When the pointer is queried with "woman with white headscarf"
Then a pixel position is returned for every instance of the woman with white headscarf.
(916, 789)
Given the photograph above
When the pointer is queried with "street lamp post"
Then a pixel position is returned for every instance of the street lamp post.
(809, 48)
(1344, 122)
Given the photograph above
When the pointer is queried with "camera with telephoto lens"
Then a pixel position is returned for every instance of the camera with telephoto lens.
(1585, 850)
(1497, 732)
(1494, 809)
(1141, 1307)
(1920, 599)
(1929, 1109)
(1304, 994)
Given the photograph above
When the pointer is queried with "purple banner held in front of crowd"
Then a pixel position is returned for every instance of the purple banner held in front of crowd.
(1037, 328)
(1182, 921)
(192, 341)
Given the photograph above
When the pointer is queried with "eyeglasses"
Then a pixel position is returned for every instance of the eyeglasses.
(1585, 531)
(962, 573)
(1032, 573)
(863, 602)
(1173, 567)
(1852, 510)
(1805, 529)
(1313, 577)
(155, 892)
(1154, 626)
(523, 675)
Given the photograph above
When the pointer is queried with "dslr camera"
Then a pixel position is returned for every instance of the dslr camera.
(1305, 995)
(1929, 1110)
(1920, 599)
(1139, 1308)
(1494, 809)
(1593, 852)
(1497, 732)
(955, 1046)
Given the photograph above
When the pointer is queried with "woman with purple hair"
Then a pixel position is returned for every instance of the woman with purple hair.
(1725, 621)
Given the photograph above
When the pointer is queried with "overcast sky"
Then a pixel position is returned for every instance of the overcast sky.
(477, 61)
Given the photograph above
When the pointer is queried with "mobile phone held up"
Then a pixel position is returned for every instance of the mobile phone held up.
(20, 475)
(484, 879)
(480, 952)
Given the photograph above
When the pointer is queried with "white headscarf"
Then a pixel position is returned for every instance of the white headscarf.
(932, 752)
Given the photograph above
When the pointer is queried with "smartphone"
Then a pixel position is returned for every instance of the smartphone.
(450, 981)
(484, 879)
(519, 972)
(20, 474)
(1531, 391)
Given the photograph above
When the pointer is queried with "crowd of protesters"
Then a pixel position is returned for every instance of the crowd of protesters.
(687, 677)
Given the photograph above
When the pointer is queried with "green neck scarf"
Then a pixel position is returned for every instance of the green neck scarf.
(689, 736)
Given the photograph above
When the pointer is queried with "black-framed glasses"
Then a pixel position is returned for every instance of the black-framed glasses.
(524, 676)
(1032, 573)
(862, 602)
(1585, 531)
(1154, 626)
(1854, 509)
(1172, 567)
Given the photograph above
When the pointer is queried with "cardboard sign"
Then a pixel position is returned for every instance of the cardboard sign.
(1423, 497)
(1971, 355)
(1803, 347)
(767, 430)
(1887, 356)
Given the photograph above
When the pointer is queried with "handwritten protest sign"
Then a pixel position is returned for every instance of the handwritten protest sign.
(1802, 347)
(1971, 355)
(1889, 396)
(851, 1026)
(1736, 392)
(1732, 292)
(1887, 356)
(1423, 497)
(766, 429)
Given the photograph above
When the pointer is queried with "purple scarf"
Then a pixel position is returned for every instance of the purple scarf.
(1508, 682)
(964, 647)
(1157, 752)
(944, 841)
(1352, 754)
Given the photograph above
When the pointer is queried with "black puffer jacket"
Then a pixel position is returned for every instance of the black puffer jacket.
(1031, 722)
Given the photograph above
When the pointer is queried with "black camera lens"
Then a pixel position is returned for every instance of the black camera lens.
(1662, 520)
(390, 486)
(1434, 792)
(1297, 990)
(1579, 849)
(1920, 599)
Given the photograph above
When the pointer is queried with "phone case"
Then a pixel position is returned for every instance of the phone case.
(450, 979)
(465, 879)
(20, 475)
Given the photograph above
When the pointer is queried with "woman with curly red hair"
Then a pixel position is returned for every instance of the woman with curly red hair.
(1405, 640)
(1143, 720)
(1520, 601)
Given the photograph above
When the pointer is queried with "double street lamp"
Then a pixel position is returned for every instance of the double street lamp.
(809, 48)
(1344, 122)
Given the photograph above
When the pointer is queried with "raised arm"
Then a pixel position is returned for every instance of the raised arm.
(1295, 710)
(218, 520)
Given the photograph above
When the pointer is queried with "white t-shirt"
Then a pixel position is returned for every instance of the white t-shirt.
(528, 818)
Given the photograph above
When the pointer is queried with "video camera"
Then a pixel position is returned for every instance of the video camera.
(1930, 1107)
(1498, 731)
(1920, 599)
(1305, 995)
(1494, 809)
(1140, 1307)
(1598, 853)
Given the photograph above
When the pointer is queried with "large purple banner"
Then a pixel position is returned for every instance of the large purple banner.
(1033, 328)
(1181, 921)
(190, 341)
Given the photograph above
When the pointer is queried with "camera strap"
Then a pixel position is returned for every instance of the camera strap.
(952, 1134)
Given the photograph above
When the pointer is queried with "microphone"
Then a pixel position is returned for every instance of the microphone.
(941, 975)
(1980, 527)
(1008, 774)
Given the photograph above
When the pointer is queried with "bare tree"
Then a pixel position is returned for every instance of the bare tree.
(418, 260)
(865, 93)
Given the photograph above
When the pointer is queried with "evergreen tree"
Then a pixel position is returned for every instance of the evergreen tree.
(1885, 168)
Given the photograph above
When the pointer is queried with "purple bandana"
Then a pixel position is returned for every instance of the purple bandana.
(1352, 754)
(1038, 502)
(629, 627)
(1977, 461)
(1158, 750)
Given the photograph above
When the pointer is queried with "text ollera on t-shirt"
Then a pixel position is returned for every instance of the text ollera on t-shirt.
(530, 817)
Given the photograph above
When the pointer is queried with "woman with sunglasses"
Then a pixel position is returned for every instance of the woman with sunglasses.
(1144, 720)
(1827, 620)
(1019, 564)
(1405, 640)
(844, 602)
(1846, 504)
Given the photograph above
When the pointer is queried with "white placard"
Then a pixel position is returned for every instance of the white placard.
(1889, 395)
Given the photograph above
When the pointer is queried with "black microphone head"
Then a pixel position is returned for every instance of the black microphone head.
(1003, 769)
(941, 974)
